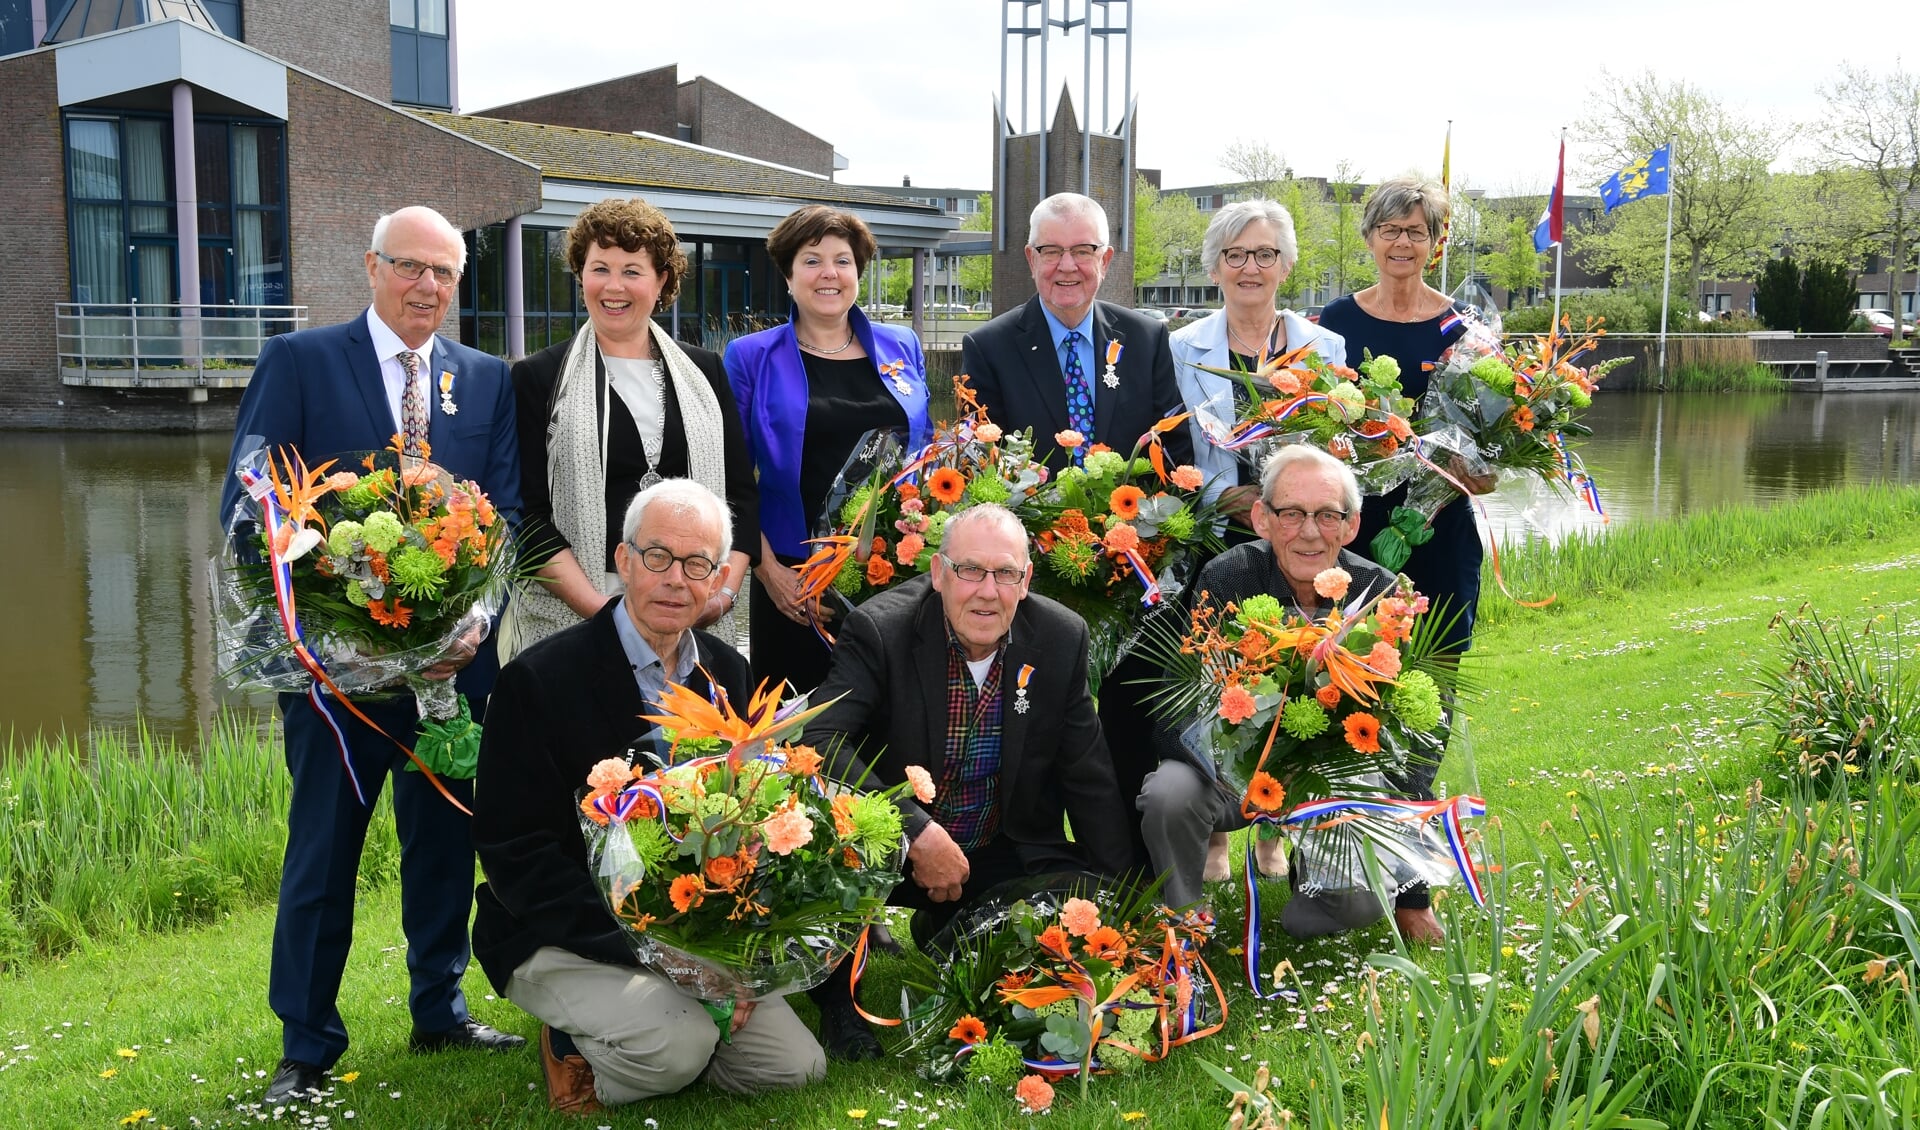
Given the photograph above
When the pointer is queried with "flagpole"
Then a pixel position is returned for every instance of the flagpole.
(1666, 276)
(1559, 245)
(1446, 182)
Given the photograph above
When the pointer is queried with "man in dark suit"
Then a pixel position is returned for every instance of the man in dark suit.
(611, 1032)
(337, 392)
(1065, 360)
(966, 675)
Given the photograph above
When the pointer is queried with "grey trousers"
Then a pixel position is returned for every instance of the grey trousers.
(1179, 809)
(644, 1037)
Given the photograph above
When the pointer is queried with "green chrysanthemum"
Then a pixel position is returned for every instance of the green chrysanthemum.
(1417, 700)
(995, 1060)
(419, 573)
(1072, 560)
(1578, 397)
(988, 489)
(855, 507)
(1178, 525)
(876, 827)
(356, 595)
(1494, 373)
(1136, 1023)
(1261, 609)
(382, 531)
(368, 492)
(650, 842)
(1304, 718)
(851, 576)
(341, 537)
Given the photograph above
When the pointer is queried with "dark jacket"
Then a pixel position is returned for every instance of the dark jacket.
(1014, 367)
(890, 676)
(560, 706)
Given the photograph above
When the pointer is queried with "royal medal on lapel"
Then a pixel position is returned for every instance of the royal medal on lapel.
(1020, 703)
(893, 371)
(1112, 378)
(447, 406)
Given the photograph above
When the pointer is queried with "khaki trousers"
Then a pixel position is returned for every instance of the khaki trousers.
(644, 1037)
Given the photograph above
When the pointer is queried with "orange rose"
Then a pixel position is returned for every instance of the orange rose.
(723, 871)
(879, 570)
(1328, 695)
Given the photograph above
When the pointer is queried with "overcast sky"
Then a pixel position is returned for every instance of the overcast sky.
(905, 87)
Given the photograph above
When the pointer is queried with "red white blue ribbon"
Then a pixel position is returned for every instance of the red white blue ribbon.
(1144, 575)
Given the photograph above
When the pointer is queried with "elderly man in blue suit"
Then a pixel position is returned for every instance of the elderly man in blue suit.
(341, 391)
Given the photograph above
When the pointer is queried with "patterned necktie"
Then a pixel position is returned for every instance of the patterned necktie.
(1079, 396)
(413, 408)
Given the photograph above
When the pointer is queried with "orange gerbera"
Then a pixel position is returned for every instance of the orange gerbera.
(1125, 502)
(1328, 695)
(1265, 793)
(1363, 732)
(946, 485)
(969, 1030)
(803, 761)
(723, 871)
(389, 613)
(1107, 942)
(685, 893)
(1523, 418)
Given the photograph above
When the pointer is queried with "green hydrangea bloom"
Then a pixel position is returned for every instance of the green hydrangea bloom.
(936, 528)
(419, 573)
(1381, 369)
(1349, 395)
(1304, 718)
(1578, 397)
(356, 595)
(1069, 1007)
(876, 827)
(1494, 373)
(341, 537)
(988, 489)
(1417, 700)
(1120, 1061)
(1136, 1023)
(717, 804)
(1073, 561)
(855, 505)
(1178, 525)
(994, 1060)
(1106, 464)
(382, 531)
(1261, 609)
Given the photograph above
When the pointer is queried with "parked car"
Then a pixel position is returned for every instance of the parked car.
(944, 309)
(886, 310)
(1151, 312)
(1882, 323)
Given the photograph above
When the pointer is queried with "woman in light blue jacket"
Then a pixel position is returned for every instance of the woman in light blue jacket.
(1249, 249)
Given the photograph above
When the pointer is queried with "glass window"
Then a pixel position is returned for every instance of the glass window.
(400, 13)
(16, 26)
(433, 16)
(226, 16)
(406, 66)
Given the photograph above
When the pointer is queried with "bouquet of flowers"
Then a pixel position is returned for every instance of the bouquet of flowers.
(737, 870)
(1059, 977)
(1116, 535)
(1504, 410)
(360, 579)
(888, 508)
(1359, 416)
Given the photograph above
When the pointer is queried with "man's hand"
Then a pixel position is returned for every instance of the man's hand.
(742, 1009)
(1419, 926)
(459, 654)
(1481, 483)
(939, 865)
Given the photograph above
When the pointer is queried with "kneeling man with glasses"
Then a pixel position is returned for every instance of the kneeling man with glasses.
(965, 673)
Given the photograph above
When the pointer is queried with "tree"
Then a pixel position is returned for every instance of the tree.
(1350, 265)
(1719, 180)
(1874, 124)
(1167, 234)
(976, 271)
(1776, 299)
(1256, 166)
(1826, 298)
(1149, 251)
(1309, 228)
(1517, 266)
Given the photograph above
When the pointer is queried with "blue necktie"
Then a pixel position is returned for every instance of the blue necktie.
(1079, 396)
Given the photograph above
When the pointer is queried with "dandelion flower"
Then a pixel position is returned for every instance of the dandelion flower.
(1265, 793)
(922, 782)
(143, 1114)
(1080, 917)
(946, 485)
(127, 1053)
(1187, 477)
(1332, 583)
(1363, 732)
(1125, 502)
(968, 1030)
(1035, 1094)
(1237, 704)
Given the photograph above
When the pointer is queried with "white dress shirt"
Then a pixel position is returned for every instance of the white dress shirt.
(388, 347)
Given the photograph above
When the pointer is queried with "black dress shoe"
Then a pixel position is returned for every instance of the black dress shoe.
(845, 1036)
(466, 1034)
(294, 1081)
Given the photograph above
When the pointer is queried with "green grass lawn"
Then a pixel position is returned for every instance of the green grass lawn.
(1624, 695)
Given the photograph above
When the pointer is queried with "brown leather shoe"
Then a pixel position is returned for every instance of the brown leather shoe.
(569, 1080)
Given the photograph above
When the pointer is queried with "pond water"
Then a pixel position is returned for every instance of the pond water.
(103, 596)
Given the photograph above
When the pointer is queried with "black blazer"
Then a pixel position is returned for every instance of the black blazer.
(890, 676)
(1014, 367)
(534, 381)
(560, 706)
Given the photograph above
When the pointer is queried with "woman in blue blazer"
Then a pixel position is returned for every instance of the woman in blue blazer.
(807, 392)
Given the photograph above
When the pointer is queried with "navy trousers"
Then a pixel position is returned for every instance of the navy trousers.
(326, 828)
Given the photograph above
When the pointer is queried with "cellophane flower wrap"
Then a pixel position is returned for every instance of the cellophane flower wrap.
(1358, 415)
(737, 870)
(377, 571)
(888, 509)
(1284, 712)
(1117, 536)
(1511, 410)
(1060, 976)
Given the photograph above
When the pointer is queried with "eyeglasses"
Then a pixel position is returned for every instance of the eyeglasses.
(1263, 256)
(1396, 234)
(658, 559)
(413, 268)
(1083, 253)
(972, 574)
(1291, 518)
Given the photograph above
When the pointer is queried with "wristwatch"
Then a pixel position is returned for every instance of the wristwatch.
(732, 595)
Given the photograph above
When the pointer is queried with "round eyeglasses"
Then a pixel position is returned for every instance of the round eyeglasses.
(1262, 256)
(1291, 518)
(658, 559)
